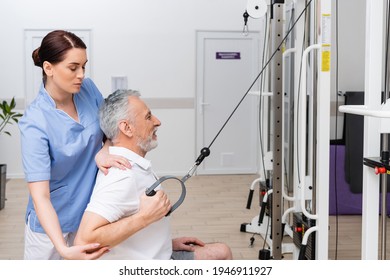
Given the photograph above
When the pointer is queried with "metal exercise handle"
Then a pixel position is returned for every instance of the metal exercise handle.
(150, 191)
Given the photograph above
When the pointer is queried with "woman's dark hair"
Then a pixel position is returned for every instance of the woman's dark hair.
(54, 47)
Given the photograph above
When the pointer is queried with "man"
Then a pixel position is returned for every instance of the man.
(120, 195)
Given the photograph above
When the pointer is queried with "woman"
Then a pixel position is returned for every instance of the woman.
(61, 139)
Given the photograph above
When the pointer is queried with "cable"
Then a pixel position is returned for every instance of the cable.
(287, 182)
(266, 234)
(261, 111)
(385, 93)
(298, 96)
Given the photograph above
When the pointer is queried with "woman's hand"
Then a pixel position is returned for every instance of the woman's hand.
(84, 252)
(104, 161)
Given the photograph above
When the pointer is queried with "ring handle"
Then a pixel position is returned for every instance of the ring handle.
(150, 191)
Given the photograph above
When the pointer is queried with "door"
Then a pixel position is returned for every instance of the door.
(227, 64)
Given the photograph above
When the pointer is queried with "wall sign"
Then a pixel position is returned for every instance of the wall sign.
(228, 55)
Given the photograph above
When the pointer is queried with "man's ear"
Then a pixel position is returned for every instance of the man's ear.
(48, 68)
(126, 128)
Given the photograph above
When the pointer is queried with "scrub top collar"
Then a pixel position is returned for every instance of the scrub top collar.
(47, 97)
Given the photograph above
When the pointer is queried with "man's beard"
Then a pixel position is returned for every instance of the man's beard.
(148, 144)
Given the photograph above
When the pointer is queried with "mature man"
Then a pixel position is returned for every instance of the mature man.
(119, 196)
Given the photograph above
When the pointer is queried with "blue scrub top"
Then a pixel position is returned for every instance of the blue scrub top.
(57, 148)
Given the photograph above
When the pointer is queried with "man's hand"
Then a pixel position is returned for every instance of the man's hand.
(153, 208)
(186, 243)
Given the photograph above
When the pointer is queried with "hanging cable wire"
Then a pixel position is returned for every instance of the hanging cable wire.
(298, 96)
(291, 93)
(261, 111)
(266, 233)
(385, 92)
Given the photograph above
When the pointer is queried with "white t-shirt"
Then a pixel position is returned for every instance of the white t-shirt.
(116, 195)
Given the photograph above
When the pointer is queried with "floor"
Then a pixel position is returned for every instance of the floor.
(214, 210)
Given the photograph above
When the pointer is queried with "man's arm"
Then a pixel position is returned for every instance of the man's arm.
(96, 229)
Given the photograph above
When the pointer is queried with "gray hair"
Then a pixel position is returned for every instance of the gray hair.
(114, 109)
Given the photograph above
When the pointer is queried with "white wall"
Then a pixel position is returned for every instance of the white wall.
(152, 42)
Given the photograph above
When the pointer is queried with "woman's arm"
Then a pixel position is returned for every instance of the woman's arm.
(104, 160)
(40, 193)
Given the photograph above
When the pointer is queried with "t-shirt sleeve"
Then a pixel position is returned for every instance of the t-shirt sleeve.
(114, 197)
(35, 149)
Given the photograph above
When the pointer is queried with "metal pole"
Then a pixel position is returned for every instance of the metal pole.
(277, 185)
(385, 145)
(384, 201)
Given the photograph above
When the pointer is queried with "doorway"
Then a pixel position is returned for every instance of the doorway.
(227, 64)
